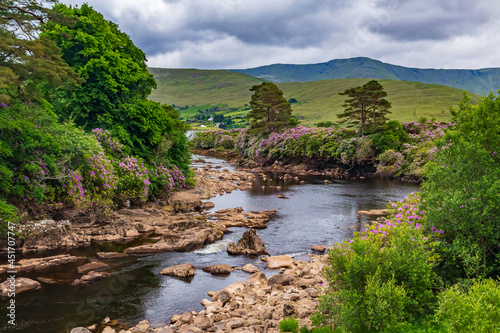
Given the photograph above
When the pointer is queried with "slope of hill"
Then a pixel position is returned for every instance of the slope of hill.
(478, 81)
(202, 87)
(318, 100)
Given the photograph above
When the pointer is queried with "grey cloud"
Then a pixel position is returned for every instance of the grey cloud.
(432, 19)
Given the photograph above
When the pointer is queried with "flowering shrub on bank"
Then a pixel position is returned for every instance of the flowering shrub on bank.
(404, 149)
(384, 276)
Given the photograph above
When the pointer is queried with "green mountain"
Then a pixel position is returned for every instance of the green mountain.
(478, 81)
(317, 100)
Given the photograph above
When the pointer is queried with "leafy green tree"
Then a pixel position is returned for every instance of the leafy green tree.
(462, 191)
(270, 110)
(25, 58)
(365, 104)
(116, 86)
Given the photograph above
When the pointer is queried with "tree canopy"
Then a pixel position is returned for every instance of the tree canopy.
(366, 106)
(270, 110)
(116, 86)
(25, 58)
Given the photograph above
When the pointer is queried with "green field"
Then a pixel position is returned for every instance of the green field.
(318, 100)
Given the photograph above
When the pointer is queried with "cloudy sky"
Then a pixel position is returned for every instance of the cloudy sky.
(211, 34)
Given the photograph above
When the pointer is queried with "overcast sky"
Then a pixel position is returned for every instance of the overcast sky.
(211, 34)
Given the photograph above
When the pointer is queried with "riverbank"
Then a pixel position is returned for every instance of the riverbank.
(179, 224)
(299, 167)
(255, 305)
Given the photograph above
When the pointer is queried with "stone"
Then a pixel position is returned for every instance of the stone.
(90, 277)
(279, 261)
(288, 310)
(111, 255)
(258, 279)
(175, 318)
(375, 212)
(91, 266)
(232, 288)
(186, 318)
(218, 269)
(249, 268)
(318, 248)
(250, 243)
(282, 279)
(166, 330)
(20, 285)
(183, 270)
(328, 181)
(235, 323)
(202, 322)
(208, 205)
(46, 280)
(223, 296)
(108, 329)
(281, 196)
(80, 330)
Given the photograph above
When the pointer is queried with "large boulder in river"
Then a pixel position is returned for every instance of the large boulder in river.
(183, 271)
(19, 285)
(250, 243)
(218, 269)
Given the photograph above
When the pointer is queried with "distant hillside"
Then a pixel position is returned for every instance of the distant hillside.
(478, 81)
(202, 87)
(318, 100)
(410, 100)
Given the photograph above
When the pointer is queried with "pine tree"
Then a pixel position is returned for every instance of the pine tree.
(26, 59)
(366, 105)
(270, 110)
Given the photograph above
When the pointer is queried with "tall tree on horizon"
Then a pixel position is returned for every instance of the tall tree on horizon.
(270, 112)
(365, 105)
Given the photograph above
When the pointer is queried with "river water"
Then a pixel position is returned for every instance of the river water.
(310, 214)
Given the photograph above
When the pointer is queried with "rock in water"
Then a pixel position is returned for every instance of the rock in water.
(80, 330)
(217, 269)
(250, 243)
(184, 270)
(20, 285)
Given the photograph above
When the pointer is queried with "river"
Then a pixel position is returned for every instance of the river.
(310, 214)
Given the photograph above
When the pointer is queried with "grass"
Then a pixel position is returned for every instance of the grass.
(318, 100)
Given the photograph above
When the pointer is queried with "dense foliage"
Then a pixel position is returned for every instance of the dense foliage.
(47, 167)
(117, 83)
(462, 190)
(384, 276)
(122, 147)
(25, 59)
(407, 153)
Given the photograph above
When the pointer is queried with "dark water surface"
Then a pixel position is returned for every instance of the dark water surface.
(312, 213)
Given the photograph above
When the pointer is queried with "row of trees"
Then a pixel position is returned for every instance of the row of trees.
(366, 107)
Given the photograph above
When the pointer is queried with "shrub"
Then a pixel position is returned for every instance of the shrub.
(388, 266)
(390, 163)
(462, 188)
(289, 324)
(133, 183)
(474, 310)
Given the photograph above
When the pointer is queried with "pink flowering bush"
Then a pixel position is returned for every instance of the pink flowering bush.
(390, 163)
(165, 181)
(384, 276)
(133, 180)
(111, 145)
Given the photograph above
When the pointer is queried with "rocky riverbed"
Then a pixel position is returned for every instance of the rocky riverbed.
(255, 305)
(180, 224)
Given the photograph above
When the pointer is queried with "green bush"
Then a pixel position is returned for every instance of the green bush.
(389, 266)
(475, 310)
(289, 324)
(461, 192)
